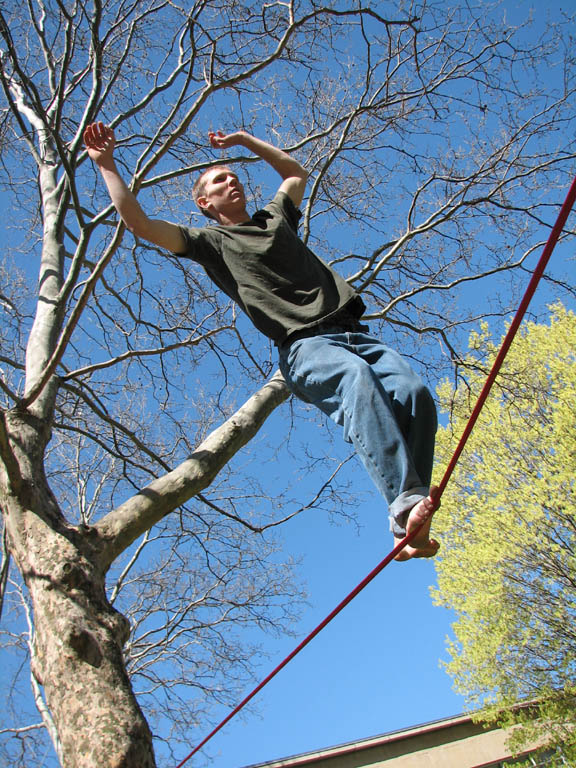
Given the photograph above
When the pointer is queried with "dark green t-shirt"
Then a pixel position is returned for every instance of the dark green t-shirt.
(268, 271)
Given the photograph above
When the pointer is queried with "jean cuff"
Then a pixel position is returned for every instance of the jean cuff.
(401, 506)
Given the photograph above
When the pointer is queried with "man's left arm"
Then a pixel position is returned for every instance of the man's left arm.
(293, 174)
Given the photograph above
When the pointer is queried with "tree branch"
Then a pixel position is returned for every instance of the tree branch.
(119, 528)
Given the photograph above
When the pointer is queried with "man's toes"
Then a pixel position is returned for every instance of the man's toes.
(428, 550)
(420, 517)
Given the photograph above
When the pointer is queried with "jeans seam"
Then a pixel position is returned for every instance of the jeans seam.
(368, 455)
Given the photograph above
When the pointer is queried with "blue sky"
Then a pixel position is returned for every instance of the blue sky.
(374, 669)
(378, 666)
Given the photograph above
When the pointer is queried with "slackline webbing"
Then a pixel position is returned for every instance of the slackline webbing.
(537, 274)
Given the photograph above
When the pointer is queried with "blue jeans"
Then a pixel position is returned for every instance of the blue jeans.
(384, 408)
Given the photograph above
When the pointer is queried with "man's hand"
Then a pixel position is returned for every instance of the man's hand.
(221, 141)
(100, 142)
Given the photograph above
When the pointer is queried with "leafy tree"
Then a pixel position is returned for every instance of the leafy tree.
(140, 534)
(508, 526)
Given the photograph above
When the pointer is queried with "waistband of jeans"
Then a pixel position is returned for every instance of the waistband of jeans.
(346, 324)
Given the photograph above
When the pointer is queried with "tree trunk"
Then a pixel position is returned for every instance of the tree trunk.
(77, 655)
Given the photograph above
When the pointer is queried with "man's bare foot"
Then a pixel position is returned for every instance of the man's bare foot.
(420, 517)
(409, 552)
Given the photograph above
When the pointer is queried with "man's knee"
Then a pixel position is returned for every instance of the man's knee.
(414, 394)
(425, 404)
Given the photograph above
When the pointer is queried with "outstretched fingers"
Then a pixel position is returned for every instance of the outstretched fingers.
(99, 140)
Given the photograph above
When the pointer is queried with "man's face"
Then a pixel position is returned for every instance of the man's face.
(223, 192)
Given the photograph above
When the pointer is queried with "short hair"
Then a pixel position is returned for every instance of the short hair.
(200, 187)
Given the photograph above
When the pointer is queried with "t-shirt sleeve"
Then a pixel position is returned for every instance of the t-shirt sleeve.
(198, 246)
(284, 205)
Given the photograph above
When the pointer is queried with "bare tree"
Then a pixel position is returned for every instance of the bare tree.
(437, 141)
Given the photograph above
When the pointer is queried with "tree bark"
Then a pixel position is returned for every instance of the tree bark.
(77, 653)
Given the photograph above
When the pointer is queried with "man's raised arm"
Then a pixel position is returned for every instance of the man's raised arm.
(100, 141)
(293, 175)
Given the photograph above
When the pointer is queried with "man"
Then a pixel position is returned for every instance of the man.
(326, 355)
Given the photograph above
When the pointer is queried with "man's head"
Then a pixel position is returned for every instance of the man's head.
(220, 195)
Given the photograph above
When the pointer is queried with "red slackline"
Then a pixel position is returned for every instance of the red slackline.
(538, 272)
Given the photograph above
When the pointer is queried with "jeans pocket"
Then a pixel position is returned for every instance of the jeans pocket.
(295, 379)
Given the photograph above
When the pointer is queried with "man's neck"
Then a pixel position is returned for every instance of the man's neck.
(232, 218)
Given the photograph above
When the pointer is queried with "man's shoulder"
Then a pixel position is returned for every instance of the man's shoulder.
(198, 240)
(282, 204)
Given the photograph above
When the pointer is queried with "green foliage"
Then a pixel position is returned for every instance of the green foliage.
(507, 566)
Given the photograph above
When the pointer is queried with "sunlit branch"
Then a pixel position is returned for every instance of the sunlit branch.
(192, 340)
(73, 320)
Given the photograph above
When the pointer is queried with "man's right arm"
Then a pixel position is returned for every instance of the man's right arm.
(294, 176)
(99, 140)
